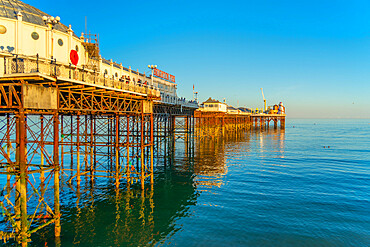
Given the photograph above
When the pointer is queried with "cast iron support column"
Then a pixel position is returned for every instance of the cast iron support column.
(56, 175)
(117, 152)
(9, 146)
(282, 122)
(128, 167)
(142, 165)
(151, 149)
(78, 150)
(92, 144)
(21, 163)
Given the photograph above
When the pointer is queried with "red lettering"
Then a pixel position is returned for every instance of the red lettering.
(164, 75)
(156, 72)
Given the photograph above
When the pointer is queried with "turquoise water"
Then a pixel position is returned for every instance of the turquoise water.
(307, 185)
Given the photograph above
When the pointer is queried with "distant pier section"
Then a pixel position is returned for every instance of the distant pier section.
(215, 118)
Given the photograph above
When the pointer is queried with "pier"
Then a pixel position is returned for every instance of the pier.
(56, 126)
(216, 119)
(69, 118)
(52, 125)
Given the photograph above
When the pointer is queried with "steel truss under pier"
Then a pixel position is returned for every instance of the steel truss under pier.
(263, 120)
(51, 129)
(172, 123)
(30, 161)
(112, 146)
(217, 124)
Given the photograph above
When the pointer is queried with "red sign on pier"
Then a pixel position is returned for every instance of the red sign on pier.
(164, 75)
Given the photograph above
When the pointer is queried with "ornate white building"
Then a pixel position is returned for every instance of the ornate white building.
(212, 105)
(32, 41)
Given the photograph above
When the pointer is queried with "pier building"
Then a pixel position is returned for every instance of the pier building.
(35, 42)
(212, 105)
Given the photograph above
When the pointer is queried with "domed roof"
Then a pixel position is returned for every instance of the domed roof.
(10, 8)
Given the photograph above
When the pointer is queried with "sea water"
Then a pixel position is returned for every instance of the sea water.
(307, 185)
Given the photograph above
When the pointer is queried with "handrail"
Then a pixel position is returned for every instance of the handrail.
(51, 67)
(35, 64)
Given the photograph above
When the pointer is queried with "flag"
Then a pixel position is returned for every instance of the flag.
(193, 87)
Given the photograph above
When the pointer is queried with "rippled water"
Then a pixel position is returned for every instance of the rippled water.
(307, 185)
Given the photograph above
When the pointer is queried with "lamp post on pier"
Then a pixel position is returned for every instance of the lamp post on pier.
(51, 21)
(152, 67)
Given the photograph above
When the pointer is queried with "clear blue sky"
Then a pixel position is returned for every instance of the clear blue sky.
(312, 55)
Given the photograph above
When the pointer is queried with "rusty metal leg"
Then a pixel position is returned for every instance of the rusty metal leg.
(117, 177)
(282, 122)
(71, 149)
(128, 167)
(42, 146)
(223, 125)
(142, 165)
(165, 141)
(17, 209)
(94, 123)
(8, 148)
(86, 163)
(78, 150)
(110, 141)
(22, 187)
(92, 143)
(61, 146)
(151, 149)
(173, 137)
(56, 176)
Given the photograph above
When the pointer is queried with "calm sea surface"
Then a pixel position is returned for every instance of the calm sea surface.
(307, 185)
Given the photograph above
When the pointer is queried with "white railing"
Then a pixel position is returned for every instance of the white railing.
(170, 99)
(34, 64)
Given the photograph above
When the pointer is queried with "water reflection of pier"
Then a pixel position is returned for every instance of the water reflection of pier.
(109, 216)
(211, 155)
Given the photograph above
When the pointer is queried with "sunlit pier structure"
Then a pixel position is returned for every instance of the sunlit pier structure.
(214, 119)
(65, 110)
(68, 115)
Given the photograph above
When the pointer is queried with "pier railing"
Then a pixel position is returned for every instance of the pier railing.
(34, 64)
(174, 100)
